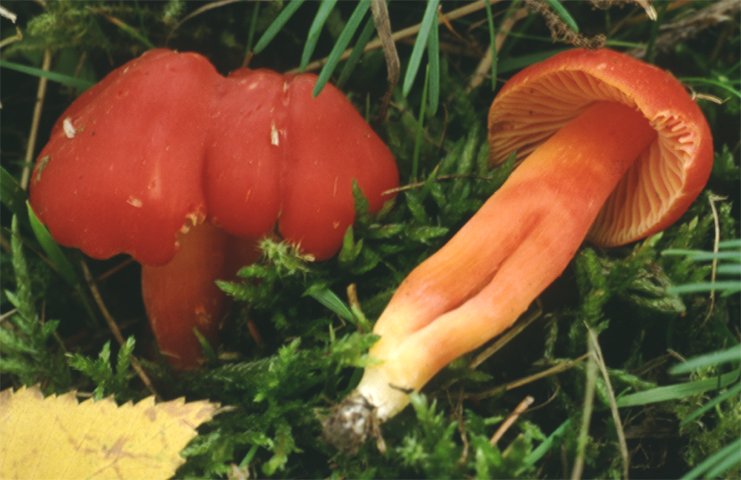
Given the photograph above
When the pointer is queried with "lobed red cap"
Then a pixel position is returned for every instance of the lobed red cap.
(165, 142)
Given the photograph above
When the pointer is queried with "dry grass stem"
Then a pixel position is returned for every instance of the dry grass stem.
(613, 403)
(689, 26)
(511, 419)
(382, 22)
(714, 264)
(482, 70)
(586, 418)
(113, 326)
(5, 13)
(649, 9)
(12, 39)
(556, 369)
(422, 183)
(8, 314)
(37, 109)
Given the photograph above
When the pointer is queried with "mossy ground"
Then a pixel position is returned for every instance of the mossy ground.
(313, 340)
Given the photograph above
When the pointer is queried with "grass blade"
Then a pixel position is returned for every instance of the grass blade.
(357, 51)
(717, 463)
(734, 243)
(711, 404)
(728, 287)
(698, 255)
(56, 256)
(325, 8)
(564, 14)
(732, 454)
(329, 299)
(719, 357)
(53, 76)
(729, 269)
(492, 44)
(11, 193)
(419, 45)
(280, 20)
(352, 25)
(681, 390)
(546, 444)
(433, 61)
(420, 128)
(252, 28)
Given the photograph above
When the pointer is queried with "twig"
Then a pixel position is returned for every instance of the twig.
(12, 39)
(511, 419)
(714, 264)
(507, 337)
(112, 271)
(586, 418)
(381, 20)
(458, 415)
(613, 403)
(485, 64)
(40, 95)
(8, 314)
(114, 328)
(198, 11)
(422, 183)
(404, 33)
(714, 13)
(558, 368)
(4, 243)
(5, 13)
(649, 9)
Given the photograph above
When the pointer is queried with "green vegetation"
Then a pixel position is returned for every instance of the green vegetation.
(299, 331)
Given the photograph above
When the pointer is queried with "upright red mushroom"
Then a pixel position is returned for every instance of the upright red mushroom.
(612, 149)
(183, 169)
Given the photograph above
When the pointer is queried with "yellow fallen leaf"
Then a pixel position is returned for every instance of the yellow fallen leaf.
(58, 438)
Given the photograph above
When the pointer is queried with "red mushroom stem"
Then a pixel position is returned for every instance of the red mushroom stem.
(505, 256)
(181, 296)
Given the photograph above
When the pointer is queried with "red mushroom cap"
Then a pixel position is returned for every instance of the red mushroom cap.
(278, 153)
(164, 142)
(666, 178)
(122, 169)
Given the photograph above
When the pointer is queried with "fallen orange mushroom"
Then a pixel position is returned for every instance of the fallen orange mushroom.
(611, 149)
(184, 169)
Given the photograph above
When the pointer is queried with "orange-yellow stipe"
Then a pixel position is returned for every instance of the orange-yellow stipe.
(519, 242)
